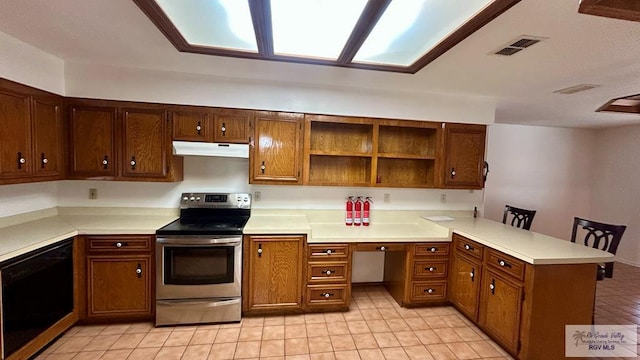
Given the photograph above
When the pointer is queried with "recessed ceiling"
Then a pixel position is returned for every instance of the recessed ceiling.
(399, 36)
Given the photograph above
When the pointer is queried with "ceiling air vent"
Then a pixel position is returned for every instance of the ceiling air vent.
(575, 89)
(518, 45)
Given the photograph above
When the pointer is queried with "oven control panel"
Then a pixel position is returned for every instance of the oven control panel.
(216, 200)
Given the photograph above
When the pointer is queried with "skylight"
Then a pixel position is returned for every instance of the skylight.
(389, 35)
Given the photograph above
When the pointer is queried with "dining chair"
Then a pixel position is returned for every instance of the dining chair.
(601, 236)
(522, 218)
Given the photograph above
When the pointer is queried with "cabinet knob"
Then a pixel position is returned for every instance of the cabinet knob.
(453, 173)
(472, 274)
(259, 250)
(382, 248)
(133, 162)
(21, 160)
(328, 251)
(329, 272)
(105, 162)
(502, 263)
(223, 129)
(326, 295)
(199, 127)
(429, 291)
(492, 286)
(433, 249)
(118, 244)
(43, 160)
(468, 247)
(431, 268)
(139, 271)
(262, 167)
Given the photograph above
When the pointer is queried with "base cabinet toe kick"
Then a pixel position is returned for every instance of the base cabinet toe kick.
(522, 307)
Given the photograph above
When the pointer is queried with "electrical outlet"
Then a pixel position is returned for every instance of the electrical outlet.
(93, 193)
(387, 198)
(257, 196)
(443, 198)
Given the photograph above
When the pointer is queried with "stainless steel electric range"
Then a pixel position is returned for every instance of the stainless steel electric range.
(199, 260)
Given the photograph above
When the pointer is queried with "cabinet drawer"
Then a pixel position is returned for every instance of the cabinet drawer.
(431, 249)
(468, 247)
(428, 269)
(429, 290)
(325, 295)
(505, 263)
(327, 271)
(319, 252)
(379, 247)
(119, 243)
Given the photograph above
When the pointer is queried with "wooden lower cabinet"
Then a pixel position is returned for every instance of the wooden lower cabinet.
(273, 273)
(328, 285)
(119, 277)
(500, 308)
(464, 283)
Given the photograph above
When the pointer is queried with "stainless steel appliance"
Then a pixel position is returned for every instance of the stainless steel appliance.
(199, 260)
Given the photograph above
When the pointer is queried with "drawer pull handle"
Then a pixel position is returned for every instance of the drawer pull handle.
(468, 247)
(328, 251)
(429, 290)
(328, 272)
(259, 250)
(431, 268)
(381, 248)
(105, 162)
(21, 160)
(326, 295)
(119, 244)
(139, 271)
(453, 173)
(224, 129)
(433, 249)
(262, 167)
(492, 286)
(472, 273)
(199, 127)
(504, 263)
(133, 162)
(43, 160)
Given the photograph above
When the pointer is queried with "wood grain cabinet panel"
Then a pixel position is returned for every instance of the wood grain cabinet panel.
(464, 283)
(145, 143)
(232, 126)
(192, 125)
(277, 148)
(15, 135)
(119, 287)
(273, 273)
(48, 137)
(464, 152)
(93, 145)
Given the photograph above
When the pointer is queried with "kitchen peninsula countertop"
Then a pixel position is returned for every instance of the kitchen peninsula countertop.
(49, 226)
(327, 226)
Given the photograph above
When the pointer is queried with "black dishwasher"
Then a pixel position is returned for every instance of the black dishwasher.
(37, 291)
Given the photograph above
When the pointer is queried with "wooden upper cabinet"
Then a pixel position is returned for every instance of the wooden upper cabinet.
(232, 126)
(92, 137)
(277, 148)
(15, 135)
(192, 125)
(464, 152)
(48, 137)
(145, 143)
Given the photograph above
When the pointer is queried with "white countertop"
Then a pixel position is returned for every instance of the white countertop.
(20, 238)
(326, 226)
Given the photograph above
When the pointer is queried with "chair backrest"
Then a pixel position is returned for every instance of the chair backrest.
(522, 218)
(599, 236)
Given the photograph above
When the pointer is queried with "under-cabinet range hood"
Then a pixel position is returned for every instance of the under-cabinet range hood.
(210, 149)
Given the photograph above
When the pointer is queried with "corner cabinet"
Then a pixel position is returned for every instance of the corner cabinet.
(276, 148)
(31, 135)
(119, 277)
(464, 146)
(273, 273)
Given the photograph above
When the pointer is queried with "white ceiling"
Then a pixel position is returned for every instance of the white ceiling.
(581, 49)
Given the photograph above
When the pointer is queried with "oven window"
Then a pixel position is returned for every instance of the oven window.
(198, 265)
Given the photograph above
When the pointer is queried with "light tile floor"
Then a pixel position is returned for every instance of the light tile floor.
(375, 327)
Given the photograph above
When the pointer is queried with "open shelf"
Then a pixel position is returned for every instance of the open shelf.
(341, 138)
(407, 142)
(339, 170)
(393, 172)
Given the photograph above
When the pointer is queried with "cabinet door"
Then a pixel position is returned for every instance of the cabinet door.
(92, 135)
(232, 126)
(15, 136)
(145, 143)
(465, 285)
(191, 125)
(500, 309)
(47, 137)
(464, 151)
(275, 272)
(277, 148)
(119, 286)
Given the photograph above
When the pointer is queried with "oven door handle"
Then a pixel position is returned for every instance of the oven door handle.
(199, 303)
(199, 242)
